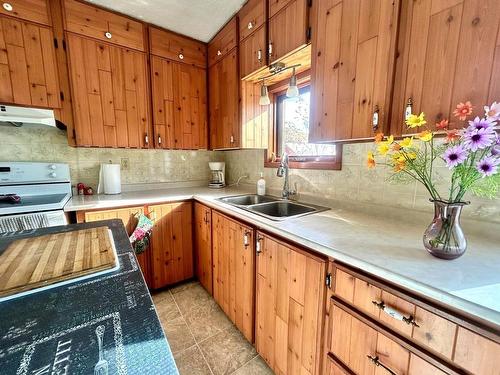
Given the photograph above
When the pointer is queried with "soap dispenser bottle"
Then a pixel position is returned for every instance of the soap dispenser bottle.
(261, 185)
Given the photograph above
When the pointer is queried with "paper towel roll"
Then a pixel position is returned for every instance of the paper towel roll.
(111, 179)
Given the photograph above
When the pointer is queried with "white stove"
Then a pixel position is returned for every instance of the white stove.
(43, 189)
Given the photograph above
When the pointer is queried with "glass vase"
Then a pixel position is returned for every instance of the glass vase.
(444, 237)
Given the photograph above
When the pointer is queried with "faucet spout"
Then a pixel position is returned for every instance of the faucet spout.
(282, 171)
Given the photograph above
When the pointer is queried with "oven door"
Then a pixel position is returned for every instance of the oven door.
(35, 220)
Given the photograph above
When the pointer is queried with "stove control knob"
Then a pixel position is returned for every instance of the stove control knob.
(52, 166)
(53, 175)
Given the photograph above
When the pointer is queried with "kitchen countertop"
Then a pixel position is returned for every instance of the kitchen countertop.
(54, 331)
(389, 247)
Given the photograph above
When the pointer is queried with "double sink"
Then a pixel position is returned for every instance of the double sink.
(271, 207)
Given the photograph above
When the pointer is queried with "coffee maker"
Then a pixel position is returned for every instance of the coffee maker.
(217, 176)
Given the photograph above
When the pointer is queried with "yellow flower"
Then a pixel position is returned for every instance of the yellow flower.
(407, 142)
(370, 160)
(425, 136)
(383, 148)
(411, 155)
(398, 157)
(414, 121)
(390, 139)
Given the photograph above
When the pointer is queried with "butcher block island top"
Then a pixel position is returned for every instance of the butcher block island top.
(33, 262)
(57, 330)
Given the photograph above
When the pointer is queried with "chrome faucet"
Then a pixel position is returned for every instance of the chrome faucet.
(283, 171)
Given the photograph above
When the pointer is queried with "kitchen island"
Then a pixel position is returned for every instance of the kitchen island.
(56, 330)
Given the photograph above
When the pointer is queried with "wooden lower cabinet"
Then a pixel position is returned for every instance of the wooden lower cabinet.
(127, 215)
(234, 271)
(172, 243)
(203, 245)
(290, 295)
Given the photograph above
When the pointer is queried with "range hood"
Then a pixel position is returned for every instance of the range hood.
(19, 116)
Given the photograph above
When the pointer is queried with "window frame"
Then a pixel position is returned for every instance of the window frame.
(271, 157)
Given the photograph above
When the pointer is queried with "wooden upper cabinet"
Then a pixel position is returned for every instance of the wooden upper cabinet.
(288, 28)
(252, 16)
(179, 105)
(105, 25)
(224, 42)
(110, 95)
(290, 299)
(172, 243)
(203, 245)
(234, 271)
(29, 10)
(28, 72)
(255, 118)
(449, 53)
(276, 5)
(253, 54)
(353, 58)
(224, 106)
(177, 47)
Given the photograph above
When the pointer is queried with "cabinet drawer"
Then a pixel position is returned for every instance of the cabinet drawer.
(178, 48)
(251, 17)
(225, 40)
(30, 10)
(100, 24)
(424, 327)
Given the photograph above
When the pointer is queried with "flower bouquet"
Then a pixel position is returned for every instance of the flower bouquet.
(473, 156)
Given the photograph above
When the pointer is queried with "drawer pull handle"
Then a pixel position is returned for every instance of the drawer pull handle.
(146, 139)
(258, 246)
(259, 55)
(246, 239)
(375, 118)
(376, 361)
(408, 108)
(8, 7)
(108, 35)
(398, 315)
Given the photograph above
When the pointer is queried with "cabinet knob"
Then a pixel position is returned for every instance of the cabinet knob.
(146, 139)
(270, 49)
(259, 55)
(250, 25)
(408, 108)
(8, 7)
(219, 52)
(231, 139)
(246, 239)
(159, 140)
(258, 245)
(108, 35)
(375, 118)
(181, 56)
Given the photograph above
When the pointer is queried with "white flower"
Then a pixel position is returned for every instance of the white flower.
(493, 111)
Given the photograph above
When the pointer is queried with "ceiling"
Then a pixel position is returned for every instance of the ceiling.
(199, 19)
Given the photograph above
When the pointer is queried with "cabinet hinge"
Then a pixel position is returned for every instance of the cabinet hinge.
(308, 33)
(61, 95)
(56, 44)
(328, 280)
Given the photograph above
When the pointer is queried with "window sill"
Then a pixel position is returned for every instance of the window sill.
(325, 163)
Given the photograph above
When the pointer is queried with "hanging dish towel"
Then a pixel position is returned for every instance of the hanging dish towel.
(141, 235)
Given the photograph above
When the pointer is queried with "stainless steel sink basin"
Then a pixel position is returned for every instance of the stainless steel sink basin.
(247, 200)
(271, 207)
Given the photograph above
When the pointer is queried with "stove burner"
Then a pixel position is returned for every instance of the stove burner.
(10, 198)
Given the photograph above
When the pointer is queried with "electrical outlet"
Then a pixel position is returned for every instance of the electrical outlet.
(124, 163)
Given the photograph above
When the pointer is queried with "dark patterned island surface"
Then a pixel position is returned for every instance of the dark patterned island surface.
(101, 325)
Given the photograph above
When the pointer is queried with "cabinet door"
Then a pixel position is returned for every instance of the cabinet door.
(251, 16)
(29, 10)
(203, 244)
(234, 272)
(288, 30)
(224, 42)
(353, 53)
(179, 105)
(223, 102)
(28, 71)
(253, 53)
(290, 294)
(172, 243)
(110, 96)
(450, 53)
(127, 216)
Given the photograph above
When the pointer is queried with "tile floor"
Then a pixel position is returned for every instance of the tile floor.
(203, 340)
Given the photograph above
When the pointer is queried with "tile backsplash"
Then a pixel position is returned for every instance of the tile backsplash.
(42, 143)
(354, 183)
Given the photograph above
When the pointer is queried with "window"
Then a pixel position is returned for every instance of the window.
(291, 134)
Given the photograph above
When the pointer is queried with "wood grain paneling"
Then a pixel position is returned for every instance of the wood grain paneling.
(290, 291)
(172, 243)
(110, 95)
(224, 106)
(27, 64)
(476, 353)
(224, 42)
(177, 47)
(288, 29)
(353, 57)
(255, 118)
(253, 53)
(251, 16)
(29, 10)
(448, 55)
(203, 245)
(94, 22)
(234, 271)
(276, 5)
(179, 105)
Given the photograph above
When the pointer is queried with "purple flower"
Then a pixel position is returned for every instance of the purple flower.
(455, 155)
(481, 123)
(478, 139)
(488, 166)
(495, 149)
